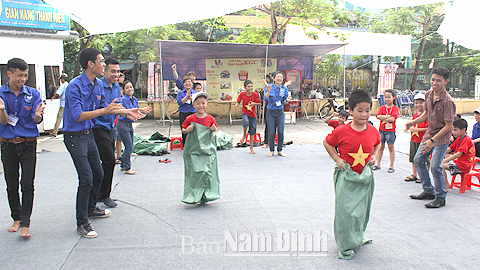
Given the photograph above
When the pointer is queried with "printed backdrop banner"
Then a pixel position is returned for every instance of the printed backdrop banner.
(225, 77)
(386, 77)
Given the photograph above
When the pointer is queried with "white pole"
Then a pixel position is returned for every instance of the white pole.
(265, 77)
(344, 74)
(161, 81)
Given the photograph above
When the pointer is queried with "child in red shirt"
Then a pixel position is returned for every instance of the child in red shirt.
(342, 118)
(249, 101)
(417, 133)
(199, 117)
(387, 114)
(358, 145)
(463, 147)
(201, 182)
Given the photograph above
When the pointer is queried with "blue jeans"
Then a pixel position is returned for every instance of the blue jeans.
(85, 156)
(251, 123)
(275, 123)
(436, 168)
(125, 131)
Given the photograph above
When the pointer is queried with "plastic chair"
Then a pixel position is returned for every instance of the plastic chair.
(381, 101)
(176, 143)
(477, 159)
(256, 138)
(405, 104)
(466, 179)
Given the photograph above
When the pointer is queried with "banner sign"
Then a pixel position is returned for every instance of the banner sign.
(32, 14)
(386, 77)
(225, 77)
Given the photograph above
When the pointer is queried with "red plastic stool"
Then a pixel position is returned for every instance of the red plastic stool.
(466, 180)
(176, 143)
(256, 138)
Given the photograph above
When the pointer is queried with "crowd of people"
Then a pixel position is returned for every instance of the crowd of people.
(89, 107)
(92, 109)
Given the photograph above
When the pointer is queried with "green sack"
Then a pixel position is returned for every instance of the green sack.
(201, 171)
(353, 199)
(224, 140)
(142, 146)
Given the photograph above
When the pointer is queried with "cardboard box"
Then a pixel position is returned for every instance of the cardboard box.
(290, 118)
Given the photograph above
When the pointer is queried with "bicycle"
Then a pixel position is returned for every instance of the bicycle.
(332, 103)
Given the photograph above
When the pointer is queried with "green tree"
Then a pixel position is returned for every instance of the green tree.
(141, 44)
(329, 67)
(414, 21)
(202, 30)
(317, 13)
(251, 34)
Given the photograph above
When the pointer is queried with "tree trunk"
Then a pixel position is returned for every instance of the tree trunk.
(413, 86)
(273, 21)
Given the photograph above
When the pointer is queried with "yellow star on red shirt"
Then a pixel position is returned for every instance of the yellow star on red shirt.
(359, 157)
(416, 132)
(249, 107)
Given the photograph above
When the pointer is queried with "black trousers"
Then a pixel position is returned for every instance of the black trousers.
(477, 149)
(105, 140)
(14, 156)
(183, 116)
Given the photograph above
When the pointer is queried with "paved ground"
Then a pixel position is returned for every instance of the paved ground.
(287, 197)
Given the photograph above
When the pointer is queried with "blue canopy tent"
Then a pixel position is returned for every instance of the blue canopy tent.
(190, 55)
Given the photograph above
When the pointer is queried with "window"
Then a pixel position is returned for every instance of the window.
(52, 76)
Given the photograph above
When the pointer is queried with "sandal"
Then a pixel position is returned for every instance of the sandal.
(411, 178)
(375, 167)
(131, 171)
(418, 181)
(118, 161)
(391, 170)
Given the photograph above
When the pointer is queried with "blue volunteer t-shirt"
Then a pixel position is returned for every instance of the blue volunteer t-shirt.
(22, 107)
(111, 93)
(82, 96)
(277, 97)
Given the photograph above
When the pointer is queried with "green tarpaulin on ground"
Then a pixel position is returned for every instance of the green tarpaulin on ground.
(223, 140)
(158, 137)
(142, 146)
(201, 172)
(353, 199)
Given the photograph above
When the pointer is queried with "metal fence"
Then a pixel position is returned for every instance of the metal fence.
(461, 85)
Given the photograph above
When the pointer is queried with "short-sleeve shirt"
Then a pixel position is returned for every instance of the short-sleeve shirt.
(476, 131)
(61, 93)
(128, 103)
(82, 96)
(187, 106)
(22, 106)
(276, 98)
(253, 98)
(355, 147)
(439, 112)
(207, 121)
(333, 123)
(111, 93)
(392, 111)
(465, 145)
(417, 136)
